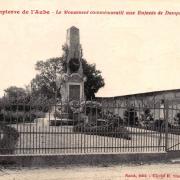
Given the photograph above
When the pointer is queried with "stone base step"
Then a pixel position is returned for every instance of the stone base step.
(61, 115)
(61, 122)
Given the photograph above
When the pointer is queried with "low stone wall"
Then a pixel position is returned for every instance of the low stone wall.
(86, 159)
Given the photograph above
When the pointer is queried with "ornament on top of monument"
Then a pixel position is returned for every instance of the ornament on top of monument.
(74, 65)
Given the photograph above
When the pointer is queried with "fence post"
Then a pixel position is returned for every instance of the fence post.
(166, 113)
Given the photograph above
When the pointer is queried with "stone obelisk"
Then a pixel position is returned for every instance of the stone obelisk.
(73, 79)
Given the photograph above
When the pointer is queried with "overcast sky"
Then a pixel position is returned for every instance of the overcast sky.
(135, 53)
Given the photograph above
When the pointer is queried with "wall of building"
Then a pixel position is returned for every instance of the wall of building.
(152, 100)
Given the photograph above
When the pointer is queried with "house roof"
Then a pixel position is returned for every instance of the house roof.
(145, 93)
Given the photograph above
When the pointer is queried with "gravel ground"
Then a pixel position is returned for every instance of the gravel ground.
(168, 171)
(38, 139)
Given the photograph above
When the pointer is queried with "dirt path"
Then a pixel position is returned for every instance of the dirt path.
(118, 172)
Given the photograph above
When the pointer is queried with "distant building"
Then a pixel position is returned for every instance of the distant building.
(151, 100)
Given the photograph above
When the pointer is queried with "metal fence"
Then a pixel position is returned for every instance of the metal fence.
(89, 127)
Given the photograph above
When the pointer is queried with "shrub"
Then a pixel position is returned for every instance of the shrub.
(146, 117)
(18, 117)
(105, 130)
(177, 118)
(9, 139)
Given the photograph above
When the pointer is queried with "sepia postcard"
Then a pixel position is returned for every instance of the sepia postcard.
(89, 89)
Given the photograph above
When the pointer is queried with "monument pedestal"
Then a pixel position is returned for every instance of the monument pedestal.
(73, 88)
